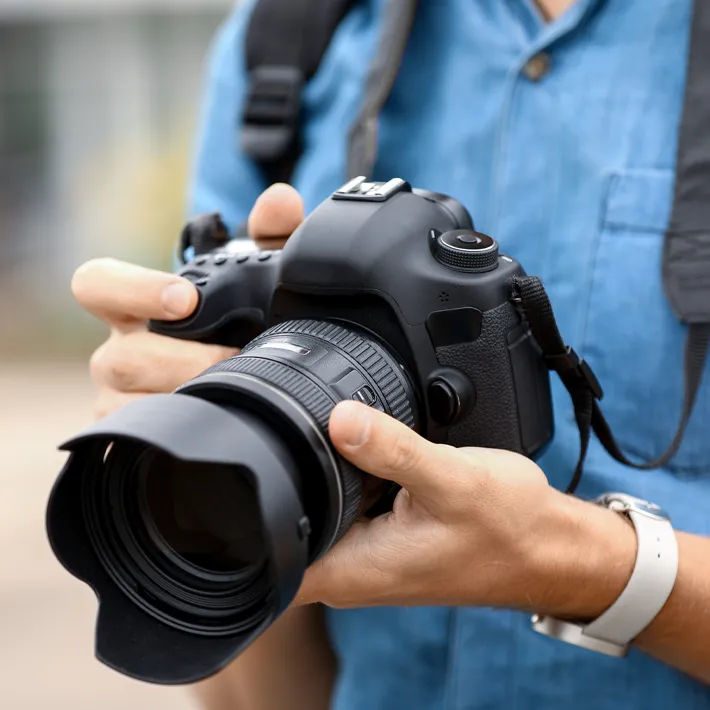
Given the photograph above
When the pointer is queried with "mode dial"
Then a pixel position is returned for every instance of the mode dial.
(467, 250)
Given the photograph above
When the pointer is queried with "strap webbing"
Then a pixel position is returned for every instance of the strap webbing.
(394, 36)
(285, 43)
(582, 385)
(686, 257)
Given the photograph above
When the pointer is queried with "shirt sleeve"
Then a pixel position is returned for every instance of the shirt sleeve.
(224, 179)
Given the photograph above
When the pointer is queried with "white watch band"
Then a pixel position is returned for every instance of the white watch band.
(645, 594)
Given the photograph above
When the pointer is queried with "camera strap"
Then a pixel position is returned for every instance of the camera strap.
(583, 386)
(686, 271)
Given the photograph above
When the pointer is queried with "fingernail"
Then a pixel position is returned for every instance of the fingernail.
(355, 421)
(177, 299)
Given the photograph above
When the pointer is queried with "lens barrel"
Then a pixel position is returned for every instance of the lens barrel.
(194, 515)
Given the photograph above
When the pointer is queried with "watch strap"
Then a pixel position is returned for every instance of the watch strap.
(648, 588)
(646, 592)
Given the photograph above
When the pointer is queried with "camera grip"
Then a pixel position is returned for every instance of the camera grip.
(513, 409)
(235, 292)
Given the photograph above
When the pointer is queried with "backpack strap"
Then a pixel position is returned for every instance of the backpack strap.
(686, 250)
(686, 258)
(394, 36)
(285, 43)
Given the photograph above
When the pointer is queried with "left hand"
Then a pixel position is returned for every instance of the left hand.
(470, 527)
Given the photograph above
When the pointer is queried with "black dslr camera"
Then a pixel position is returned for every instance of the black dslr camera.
(194, 515)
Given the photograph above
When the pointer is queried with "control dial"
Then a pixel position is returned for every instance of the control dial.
(465, 249)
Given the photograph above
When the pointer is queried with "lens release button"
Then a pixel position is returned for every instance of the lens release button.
(444, 403)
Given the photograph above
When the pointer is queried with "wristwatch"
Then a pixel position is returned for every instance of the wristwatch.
(645, 594)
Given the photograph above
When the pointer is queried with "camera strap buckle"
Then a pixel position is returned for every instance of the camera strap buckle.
(570, 365)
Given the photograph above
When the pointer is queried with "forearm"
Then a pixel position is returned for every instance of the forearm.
(291, 665)
(590, 559)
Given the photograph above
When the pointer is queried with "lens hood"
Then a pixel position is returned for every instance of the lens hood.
(129, 639)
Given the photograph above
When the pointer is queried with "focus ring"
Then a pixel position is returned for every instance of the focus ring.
(380, 368)
(318, 403)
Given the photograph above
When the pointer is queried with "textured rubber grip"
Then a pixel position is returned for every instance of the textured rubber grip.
(235, 292)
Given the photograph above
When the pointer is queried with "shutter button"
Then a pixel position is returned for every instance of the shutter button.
(537, 66)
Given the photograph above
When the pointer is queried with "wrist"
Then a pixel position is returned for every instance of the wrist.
(581, 559)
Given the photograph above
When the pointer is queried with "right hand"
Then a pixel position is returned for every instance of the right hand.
(134, 362)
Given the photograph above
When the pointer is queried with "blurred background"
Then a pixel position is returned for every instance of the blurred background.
(98, 101)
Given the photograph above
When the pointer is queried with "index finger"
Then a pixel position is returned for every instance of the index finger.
(121, 294)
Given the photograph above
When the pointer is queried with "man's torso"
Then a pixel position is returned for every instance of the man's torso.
(560, 138)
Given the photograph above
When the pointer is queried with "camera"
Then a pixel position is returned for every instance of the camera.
(193, 515)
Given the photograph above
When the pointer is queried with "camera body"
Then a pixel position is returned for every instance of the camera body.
(407, 266)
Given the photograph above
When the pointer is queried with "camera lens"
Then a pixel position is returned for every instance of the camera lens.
(207, 515)
(194, 515)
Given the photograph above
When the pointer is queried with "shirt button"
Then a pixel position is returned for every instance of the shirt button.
(537, 67)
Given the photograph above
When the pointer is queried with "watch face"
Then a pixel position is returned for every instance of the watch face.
(624, 503)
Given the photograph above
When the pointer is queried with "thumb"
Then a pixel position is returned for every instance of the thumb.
(275, 215)
(384, 447)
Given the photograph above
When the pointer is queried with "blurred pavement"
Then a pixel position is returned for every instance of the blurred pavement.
(46, 616)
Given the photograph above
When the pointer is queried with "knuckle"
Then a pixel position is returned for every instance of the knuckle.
(222, 354)
(97, 362)
(116, 365)
(211, 356)
(403, 452)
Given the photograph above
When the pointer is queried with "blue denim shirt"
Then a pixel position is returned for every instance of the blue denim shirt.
(573, 174)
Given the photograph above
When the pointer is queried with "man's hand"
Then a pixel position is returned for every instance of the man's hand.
(134, 362)
(473, 527)
(482, 527)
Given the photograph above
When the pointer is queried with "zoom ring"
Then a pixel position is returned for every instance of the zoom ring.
(370, 356)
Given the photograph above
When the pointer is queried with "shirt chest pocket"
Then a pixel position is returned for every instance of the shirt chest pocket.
(632, 339)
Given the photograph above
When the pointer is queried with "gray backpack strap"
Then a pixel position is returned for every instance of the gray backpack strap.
(686, 262)
(686, 252)
(396, 28)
